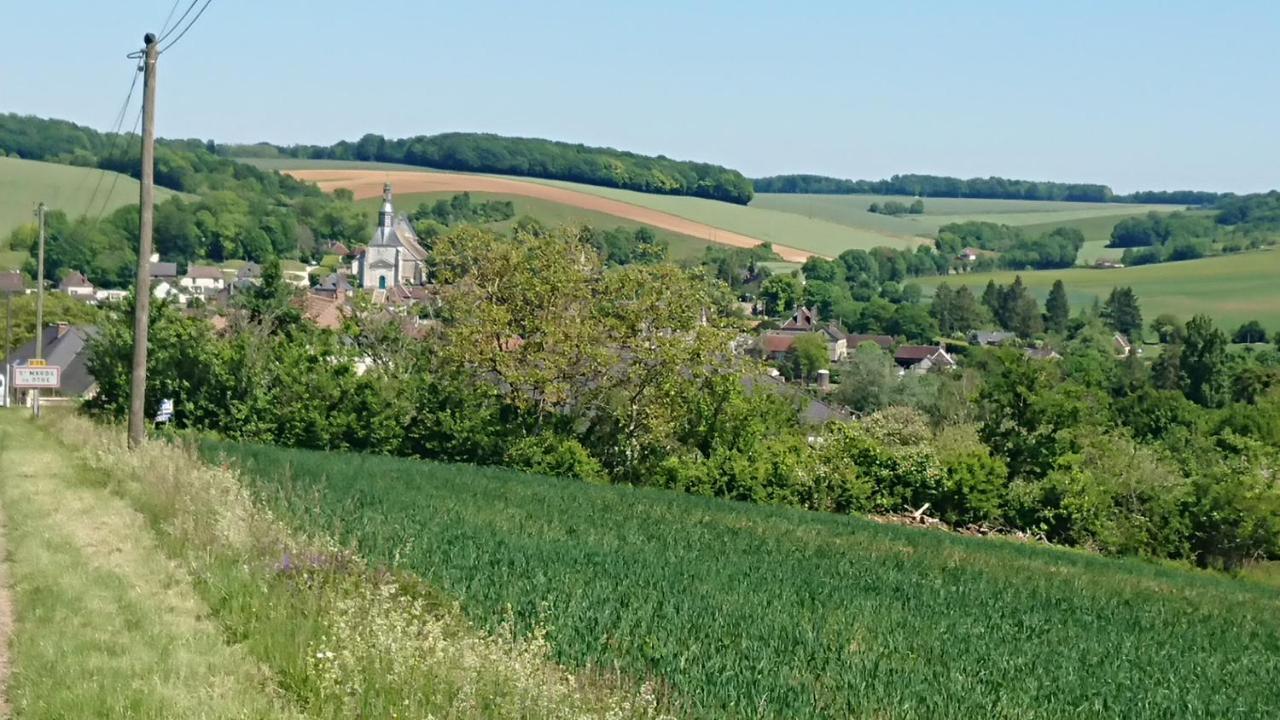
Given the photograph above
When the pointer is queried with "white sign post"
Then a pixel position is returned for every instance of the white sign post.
(44, 377)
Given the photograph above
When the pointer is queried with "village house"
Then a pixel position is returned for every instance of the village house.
(77, 285)
(853, 340)
(203, 280)
(1122, 345)
(989, 338)
(66, 347)
(775, 344)
(1042, 353)
(922, 358)
(166, 271)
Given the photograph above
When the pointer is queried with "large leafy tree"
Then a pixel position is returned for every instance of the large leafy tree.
(1203, 362)
(781, 294)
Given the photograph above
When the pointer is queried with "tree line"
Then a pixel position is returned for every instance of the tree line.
(937, 186)
(990, 188)
(1010, 247)
(532, 157)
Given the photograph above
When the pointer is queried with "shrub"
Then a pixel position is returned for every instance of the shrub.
(550, 454)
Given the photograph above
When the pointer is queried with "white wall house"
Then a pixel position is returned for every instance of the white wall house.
(203, 279)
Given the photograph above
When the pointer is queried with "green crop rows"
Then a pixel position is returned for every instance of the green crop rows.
(748, 611)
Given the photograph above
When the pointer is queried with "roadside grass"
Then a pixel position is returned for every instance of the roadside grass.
(105, 625)
(1232, 289)
(553, 214)
(340, 638)
(747, 611)
(24, 183)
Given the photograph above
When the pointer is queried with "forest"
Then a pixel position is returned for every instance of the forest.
(530, 157)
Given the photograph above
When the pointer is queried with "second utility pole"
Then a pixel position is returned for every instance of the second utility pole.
(142, 284)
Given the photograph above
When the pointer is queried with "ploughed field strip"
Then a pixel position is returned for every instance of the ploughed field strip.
(750, 611)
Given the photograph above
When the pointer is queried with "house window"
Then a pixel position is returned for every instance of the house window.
(382, 282)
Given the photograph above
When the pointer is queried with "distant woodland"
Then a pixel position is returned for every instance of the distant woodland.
(530, 157)
(984, 188)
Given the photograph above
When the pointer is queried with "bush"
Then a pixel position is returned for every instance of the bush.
(975, 483)
(555, 455)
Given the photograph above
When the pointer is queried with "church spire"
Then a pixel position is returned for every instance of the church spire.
(386, 216)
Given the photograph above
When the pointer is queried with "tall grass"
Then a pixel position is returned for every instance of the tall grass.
(749, 611)
(343, 638)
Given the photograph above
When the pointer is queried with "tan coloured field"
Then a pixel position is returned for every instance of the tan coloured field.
(368, 183)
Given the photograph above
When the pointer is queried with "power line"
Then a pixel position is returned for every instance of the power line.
(165, 27)
(106, 200)
(111, 143)
(188, 27)
(165, 33)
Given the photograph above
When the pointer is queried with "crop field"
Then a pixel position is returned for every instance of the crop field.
(1094, 219)
(710, 220)
(24, 183)
(743, 611)
(1231, 289)
(552, 214)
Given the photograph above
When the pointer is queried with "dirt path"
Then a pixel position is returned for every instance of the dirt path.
(104, 624)
(368, 183)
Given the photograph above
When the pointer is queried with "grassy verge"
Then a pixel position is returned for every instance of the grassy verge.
(106, 625)
(341, 639)
(752, 611)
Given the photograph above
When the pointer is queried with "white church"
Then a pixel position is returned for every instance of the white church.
(394, 259)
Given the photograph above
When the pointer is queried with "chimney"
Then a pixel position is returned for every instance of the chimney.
(824, 379)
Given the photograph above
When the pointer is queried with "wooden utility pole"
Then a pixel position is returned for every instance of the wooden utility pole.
(142, 283)
(40, 285)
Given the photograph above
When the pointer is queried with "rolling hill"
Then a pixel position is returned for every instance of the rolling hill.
(819, 224)
(552, 213)
(1231, 289)
(750, 611)
(24, 183)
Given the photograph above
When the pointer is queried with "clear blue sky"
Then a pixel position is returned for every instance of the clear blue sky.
(1132, 93)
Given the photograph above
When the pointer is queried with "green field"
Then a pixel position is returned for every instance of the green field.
(1231, 289)
(1095, 220)
(750, 611)
(24, 183)
(553, 214)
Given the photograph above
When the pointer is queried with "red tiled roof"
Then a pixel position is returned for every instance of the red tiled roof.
(916, 352)
(775, 343)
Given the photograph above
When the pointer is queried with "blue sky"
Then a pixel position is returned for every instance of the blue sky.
(1132, 93)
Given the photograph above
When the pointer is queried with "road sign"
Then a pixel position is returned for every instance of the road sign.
(36, 362)
(48, 377)
(166, 411)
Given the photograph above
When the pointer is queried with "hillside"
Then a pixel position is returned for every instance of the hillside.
(552, 214)
(1232, 289)
(707, 220)
(24, 183)
(1036, 216)
(750, 611)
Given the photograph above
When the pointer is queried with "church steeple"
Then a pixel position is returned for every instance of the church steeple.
(386, 216)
